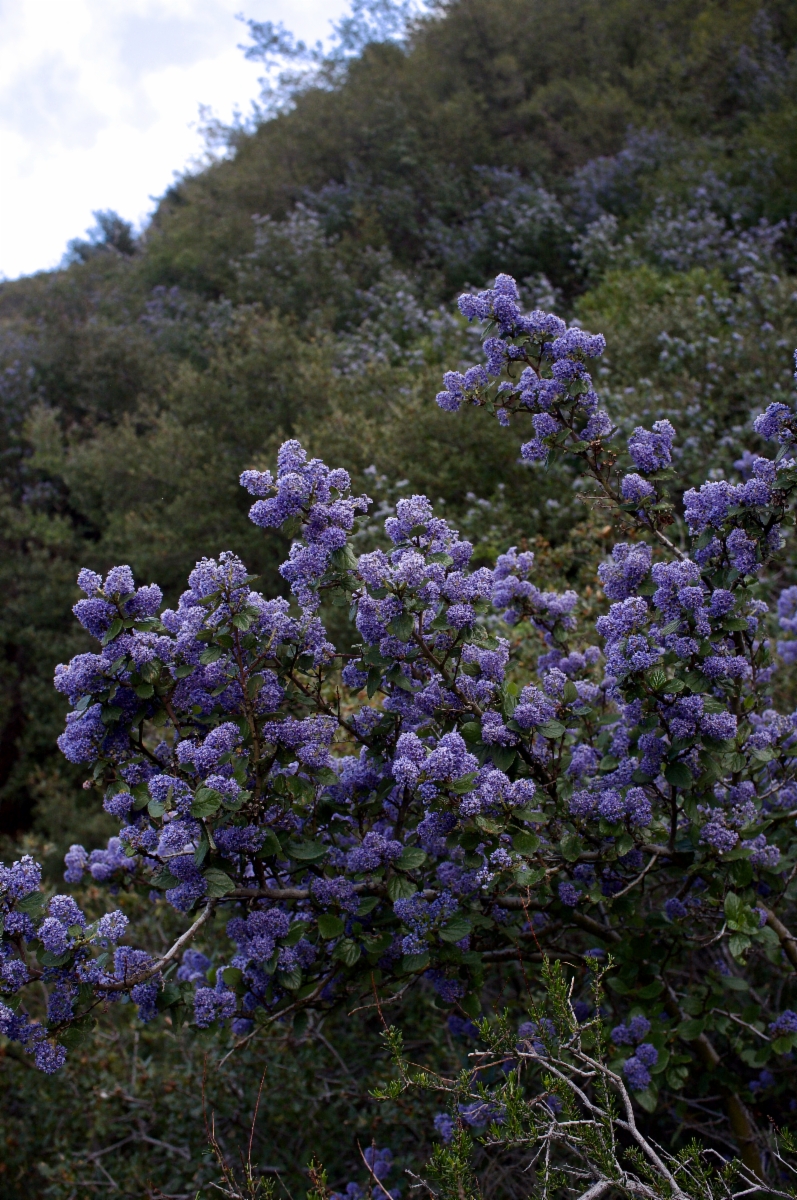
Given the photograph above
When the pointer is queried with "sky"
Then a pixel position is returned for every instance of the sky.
(99, 105)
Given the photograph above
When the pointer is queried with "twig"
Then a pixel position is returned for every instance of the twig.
(123, 985)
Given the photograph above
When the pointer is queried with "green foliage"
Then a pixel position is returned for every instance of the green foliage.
(561, 1119)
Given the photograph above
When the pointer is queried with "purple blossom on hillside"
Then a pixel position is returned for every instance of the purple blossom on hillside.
(772, 424)
(622, 574)
(445, 1127)
(651, 450)
(636, 1073)
(675, 909)
(784, 1024)
(408, 801)
(21, 878)
(636, 489)
(49, 1058)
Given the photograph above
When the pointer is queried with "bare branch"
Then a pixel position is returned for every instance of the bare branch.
(122, 985)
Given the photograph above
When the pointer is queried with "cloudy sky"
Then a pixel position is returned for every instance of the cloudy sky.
(99, 102)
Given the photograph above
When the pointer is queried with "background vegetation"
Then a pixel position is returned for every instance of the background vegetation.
(632, 162)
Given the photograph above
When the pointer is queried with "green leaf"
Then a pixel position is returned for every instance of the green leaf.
(206, 802)
(414, 962)
(232, 976)
(617, 985)
(527, 877)
(651, 990)
(163, 880)
(210, 655)
(32, 904)
(570, 694)
(738, 944)
(740, 916)
(782, 1045)
(219, 882)
(253, 685)
(78, 1033)
(624, 843)
(456, 929)
(679, 775)
(402, 626)
(677, 1077)
(400, 888)
(411, 857)
(271, 845)
(488, 824)
(115, 628)
(525, 843)
(344, 558)
(290, 980)
(647, 1099)
(330, 926)
(734, 983)
(170, 995)
(502, 757)
(347, 951)
(571, 846)
(471, 1005)
(673, 685)
(374, 681)
(552, 730)
(742, 872)
(48, 959)
(307, 851)
(294, 934)
(399, 679)
(463, 784)
(691, 1029)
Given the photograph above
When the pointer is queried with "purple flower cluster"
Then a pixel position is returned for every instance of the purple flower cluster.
(651, 449)
(320, 498)
(64, 939)
(554, 378)
(477, 774)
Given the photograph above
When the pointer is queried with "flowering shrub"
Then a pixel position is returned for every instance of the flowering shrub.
(420, 807)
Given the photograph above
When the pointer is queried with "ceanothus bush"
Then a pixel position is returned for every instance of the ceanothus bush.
(422, 807)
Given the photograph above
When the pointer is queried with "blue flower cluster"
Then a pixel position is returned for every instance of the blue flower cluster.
(64, 942)
(485, 775)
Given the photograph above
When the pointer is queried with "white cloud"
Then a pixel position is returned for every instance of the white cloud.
(99, 102)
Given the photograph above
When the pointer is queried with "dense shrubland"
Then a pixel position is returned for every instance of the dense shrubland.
(634, 169)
